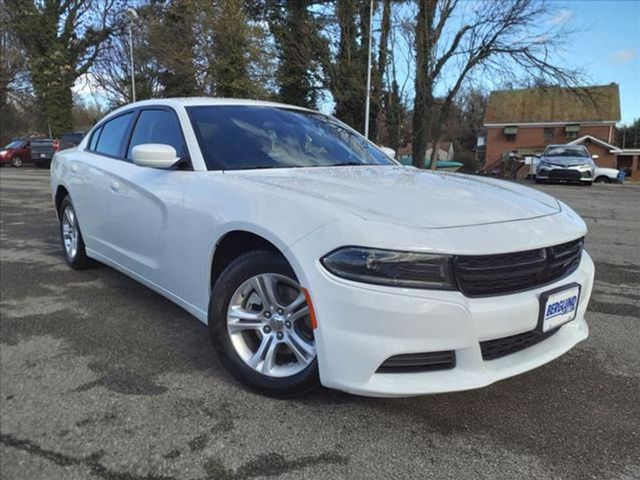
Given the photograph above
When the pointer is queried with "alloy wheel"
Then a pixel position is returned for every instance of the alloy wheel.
(70, 232)
(269, 325)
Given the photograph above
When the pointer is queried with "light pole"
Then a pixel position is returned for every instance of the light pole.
(368, 101)
(133, 16)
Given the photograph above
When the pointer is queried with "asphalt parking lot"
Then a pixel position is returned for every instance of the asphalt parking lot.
(102, 378)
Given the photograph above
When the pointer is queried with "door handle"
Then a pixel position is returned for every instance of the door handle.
(115, 186)
(74, 168)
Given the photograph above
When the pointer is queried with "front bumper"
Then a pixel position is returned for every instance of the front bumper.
(360, 326)
(568, 174)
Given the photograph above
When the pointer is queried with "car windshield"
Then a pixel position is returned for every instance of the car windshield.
(250, 137)
(15, 144)
(564, 151)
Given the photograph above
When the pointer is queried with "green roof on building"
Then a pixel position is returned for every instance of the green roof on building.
(554, 104)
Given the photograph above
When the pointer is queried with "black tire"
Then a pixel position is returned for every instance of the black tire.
(238, 271)
(17, 162)
(539, 181)
(602, 179)
(79, 261)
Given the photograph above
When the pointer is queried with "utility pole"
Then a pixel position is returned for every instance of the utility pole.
(133, 15)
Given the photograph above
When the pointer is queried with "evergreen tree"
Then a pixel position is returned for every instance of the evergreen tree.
(62, 40)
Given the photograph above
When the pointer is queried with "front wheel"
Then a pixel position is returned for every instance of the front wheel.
(17, 162)
(260, 324)
(603, 180)
(71, 238)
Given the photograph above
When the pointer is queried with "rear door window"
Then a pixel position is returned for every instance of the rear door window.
(158, 126)
(113, 135)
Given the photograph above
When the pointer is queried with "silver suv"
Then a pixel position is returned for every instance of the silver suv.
(566, 163)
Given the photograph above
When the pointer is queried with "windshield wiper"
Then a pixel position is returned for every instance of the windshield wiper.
(348, 164)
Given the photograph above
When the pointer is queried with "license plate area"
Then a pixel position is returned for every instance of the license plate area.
(558, 306)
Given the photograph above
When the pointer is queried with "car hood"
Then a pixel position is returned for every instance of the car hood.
(566, 161)
(408, 196)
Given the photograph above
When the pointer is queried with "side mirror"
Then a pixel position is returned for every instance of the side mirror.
(154, 155)
(389, 152)
(595, 157)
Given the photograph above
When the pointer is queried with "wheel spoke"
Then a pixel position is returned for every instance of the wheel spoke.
(265, 287)
(303, 352)
(239, 319)
(269, 358)
(242, 314)
(69, 215)
(297, 302)
(303, 312)
(259, 354)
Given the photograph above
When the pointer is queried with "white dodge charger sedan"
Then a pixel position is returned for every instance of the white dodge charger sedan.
(316, 259)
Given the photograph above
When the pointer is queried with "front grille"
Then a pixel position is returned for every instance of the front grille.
(499, 347)
(559, 174)
(485, 275)
(419, 362)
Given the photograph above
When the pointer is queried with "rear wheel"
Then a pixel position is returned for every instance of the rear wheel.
(71, 238)
(260, 324)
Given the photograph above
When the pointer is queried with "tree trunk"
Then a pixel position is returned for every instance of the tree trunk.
(419, 139)
(435, 149)
(425, 43)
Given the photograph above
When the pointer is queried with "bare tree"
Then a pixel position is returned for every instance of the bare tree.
(499, 39)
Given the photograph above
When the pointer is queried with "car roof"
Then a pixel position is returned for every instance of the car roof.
(208, 101)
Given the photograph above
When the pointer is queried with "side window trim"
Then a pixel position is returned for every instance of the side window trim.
(94, 135)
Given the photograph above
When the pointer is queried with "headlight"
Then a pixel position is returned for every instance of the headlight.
(392, 268)
(3, 153)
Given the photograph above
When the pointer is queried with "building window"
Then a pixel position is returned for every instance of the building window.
(510, 133)
(572, 131)
(548, 135)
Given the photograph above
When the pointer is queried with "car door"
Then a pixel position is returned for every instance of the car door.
(89, 179)
(146, 207)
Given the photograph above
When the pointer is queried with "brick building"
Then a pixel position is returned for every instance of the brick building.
(526, 121)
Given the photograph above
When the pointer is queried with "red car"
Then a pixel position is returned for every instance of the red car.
(15, 153)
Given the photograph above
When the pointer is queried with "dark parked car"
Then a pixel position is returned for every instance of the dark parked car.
(15, 153)
(42, 151)
(70, 139)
